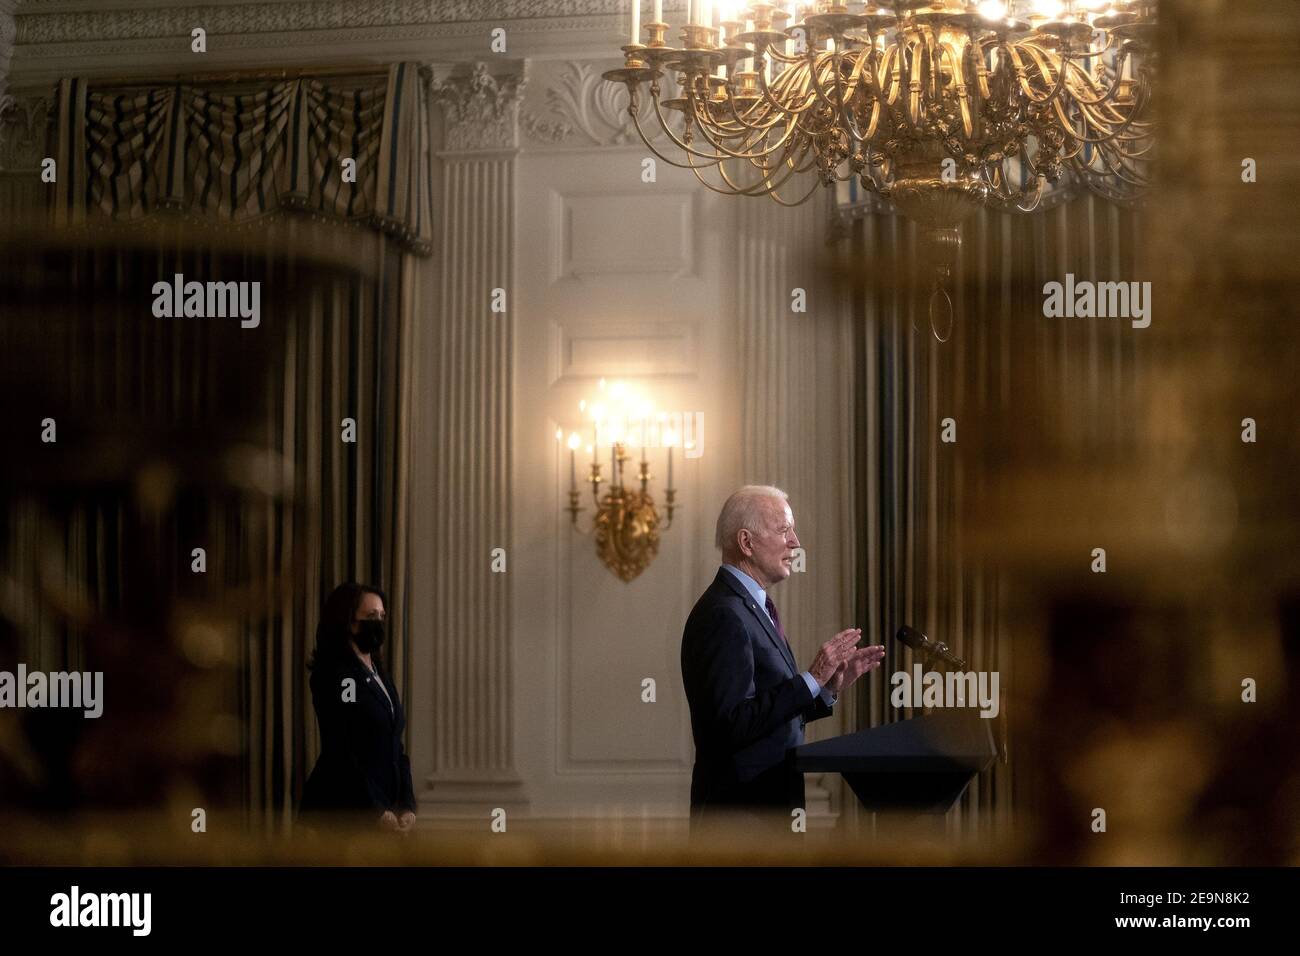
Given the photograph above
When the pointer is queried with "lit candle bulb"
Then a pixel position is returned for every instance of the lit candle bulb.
(574, 441)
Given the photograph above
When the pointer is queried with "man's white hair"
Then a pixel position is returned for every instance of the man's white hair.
(744, 509)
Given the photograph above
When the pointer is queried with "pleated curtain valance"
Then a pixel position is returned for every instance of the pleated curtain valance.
(233, 157)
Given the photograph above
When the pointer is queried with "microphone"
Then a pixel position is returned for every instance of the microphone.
(928, 648)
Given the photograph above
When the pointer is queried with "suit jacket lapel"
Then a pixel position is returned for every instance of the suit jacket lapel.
(761, 615)
(369, 680)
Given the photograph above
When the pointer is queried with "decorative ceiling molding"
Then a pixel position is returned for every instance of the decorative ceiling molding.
(83, 6)
(56, 38)
(66, 23)
(8, 33)
(217, 20)
(305, 38)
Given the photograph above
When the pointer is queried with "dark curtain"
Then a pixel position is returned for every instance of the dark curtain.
(177, 433)
(915, 490)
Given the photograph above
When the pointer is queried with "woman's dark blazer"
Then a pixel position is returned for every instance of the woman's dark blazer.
(362, 765)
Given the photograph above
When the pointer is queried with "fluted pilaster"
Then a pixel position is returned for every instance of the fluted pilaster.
(473, 751)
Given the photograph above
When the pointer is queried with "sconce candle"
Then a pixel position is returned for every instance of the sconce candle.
(636, 22)
(574, 441)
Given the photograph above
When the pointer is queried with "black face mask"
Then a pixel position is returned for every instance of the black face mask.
(369, 636)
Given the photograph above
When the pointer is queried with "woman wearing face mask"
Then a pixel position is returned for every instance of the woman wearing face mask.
(362, 768)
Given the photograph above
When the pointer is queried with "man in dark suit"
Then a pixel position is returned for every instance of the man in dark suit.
(748, 699)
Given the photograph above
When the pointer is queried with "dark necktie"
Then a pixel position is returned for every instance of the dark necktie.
(776, 619)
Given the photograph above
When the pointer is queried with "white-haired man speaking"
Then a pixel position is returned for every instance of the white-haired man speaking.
(749, 700)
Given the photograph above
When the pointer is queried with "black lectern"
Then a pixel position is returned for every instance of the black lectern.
(920, 765)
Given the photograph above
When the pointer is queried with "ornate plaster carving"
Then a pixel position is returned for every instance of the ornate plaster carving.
(579, 108)
(481, 109)
(24, 123)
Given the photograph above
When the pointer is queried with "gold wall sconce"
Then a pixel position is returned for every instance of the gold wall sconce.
(626, 524)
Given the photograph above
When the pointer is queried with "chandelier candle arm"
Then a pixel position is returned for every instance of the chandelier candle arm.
(667, 130)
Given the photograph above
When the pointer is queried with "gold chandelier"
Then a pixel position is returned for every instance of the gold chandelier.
(938, 105)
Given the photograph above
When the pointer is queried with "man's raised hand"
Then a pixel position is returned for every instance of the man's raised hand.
(860, 661)
(833, 653)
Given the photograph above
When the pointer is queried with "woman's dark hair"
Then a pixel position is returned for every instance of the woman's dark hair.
(335, 627)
